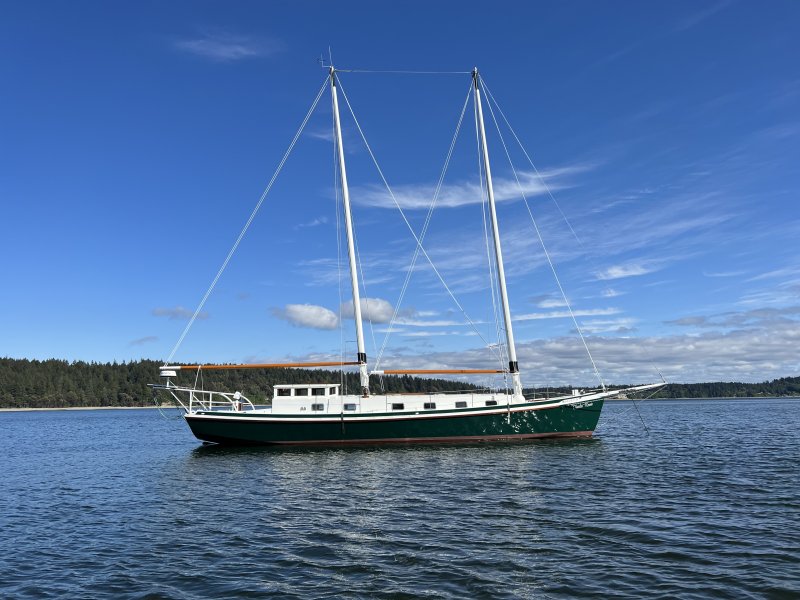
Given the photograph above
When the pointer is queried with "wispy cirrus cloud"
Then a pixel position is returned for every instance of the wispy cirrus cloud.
(701, 15)
(222, 46)
(326, 135)
(790, 271)
(758, 317)
(312, 223)
(629, 269)
(177, 313)
(611, 293)
(723, 273)
(565, 314)
(419, 196)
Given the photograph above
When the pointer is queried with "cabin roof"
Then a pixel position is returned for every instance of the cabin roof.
(293, 386)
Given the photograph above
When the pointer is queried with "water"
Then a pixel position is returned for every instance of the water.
(126, 504)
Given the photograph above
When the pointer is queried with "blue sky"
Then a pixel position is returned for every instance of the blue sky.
(135, 139)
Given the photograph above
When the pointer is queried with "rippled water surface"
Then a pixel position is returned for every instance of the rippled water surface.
(125, 503)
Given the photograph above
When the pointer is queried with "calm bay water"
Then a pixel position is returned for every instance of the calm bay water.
(127, 504)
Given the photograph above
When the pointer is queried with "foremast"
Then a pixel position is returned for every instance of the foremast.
(351, 251)
(513, 366)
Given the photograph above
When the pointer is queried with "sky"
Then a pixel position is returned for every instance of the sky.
(137, 137)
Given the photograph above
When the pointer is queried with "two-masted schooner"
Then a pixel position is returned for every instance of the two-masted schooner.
(323, 413)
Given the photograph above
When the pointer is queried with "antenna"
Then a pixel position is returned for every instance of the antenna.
(321, 59)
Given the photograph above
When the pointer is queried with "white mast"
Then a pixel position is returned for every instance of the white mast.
(351, 251)
(513, 367)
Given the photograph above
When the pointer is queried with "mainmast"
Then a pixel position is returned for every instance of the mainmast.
(513, 367)
(351, 251)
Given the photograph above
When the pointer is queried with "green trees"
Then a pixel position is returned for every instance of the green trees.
(58, 383)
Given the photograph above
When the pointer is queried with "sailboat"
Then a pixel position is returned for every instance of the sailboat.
(325, 414)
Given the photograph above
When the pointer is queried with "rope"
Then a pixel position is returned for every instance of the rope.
(622, 414)
(404, 72)
(247, 224)
(405, 219)
(544, 248)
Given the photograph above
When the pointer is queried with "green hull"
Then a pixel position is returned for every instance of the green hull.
(521, 422)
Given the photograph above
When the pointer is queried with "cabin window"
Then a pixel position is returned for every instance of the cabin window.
(491, 403)
(284, 392)
(317, 407)
(331, 391)
(461, 404)
(317, 391)
(429, 405)
(349, 406)
(398, 406)
(301, 392)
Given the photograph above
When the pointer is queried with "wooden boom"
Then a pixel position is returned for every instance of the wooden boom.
(438, 371)
(259, 366)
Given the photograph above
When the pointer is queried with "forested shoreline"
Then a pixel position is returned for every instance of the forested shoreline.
(62, 384)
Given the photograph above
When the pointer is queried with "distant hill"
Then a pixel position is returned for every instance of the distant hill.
(61, 384)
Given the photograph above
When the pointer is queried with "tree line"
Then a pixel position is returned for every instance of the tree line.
(61, 384)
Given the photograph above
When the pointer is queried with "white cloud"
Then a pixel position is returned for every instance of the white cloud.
(763, 347)
(178, 313)
(228, 47)
(622, 325)
(143, 340)
(630, 269)
(312, 223)
(790, 271)
(754, 318)
(419, 196)
(561, 314)
(376, 310)
(308, 315)
(611, 293)
(723, 274)
(326, 135)
(698, 17)
(551, 303)
(413, 322)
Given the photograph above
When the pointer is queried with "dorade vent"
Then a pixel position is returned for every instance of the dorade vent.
(491, 403)
(317, 391)
(318, 407)
(398, 406)
(429, 405)
(349, 406)
(461, 404)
